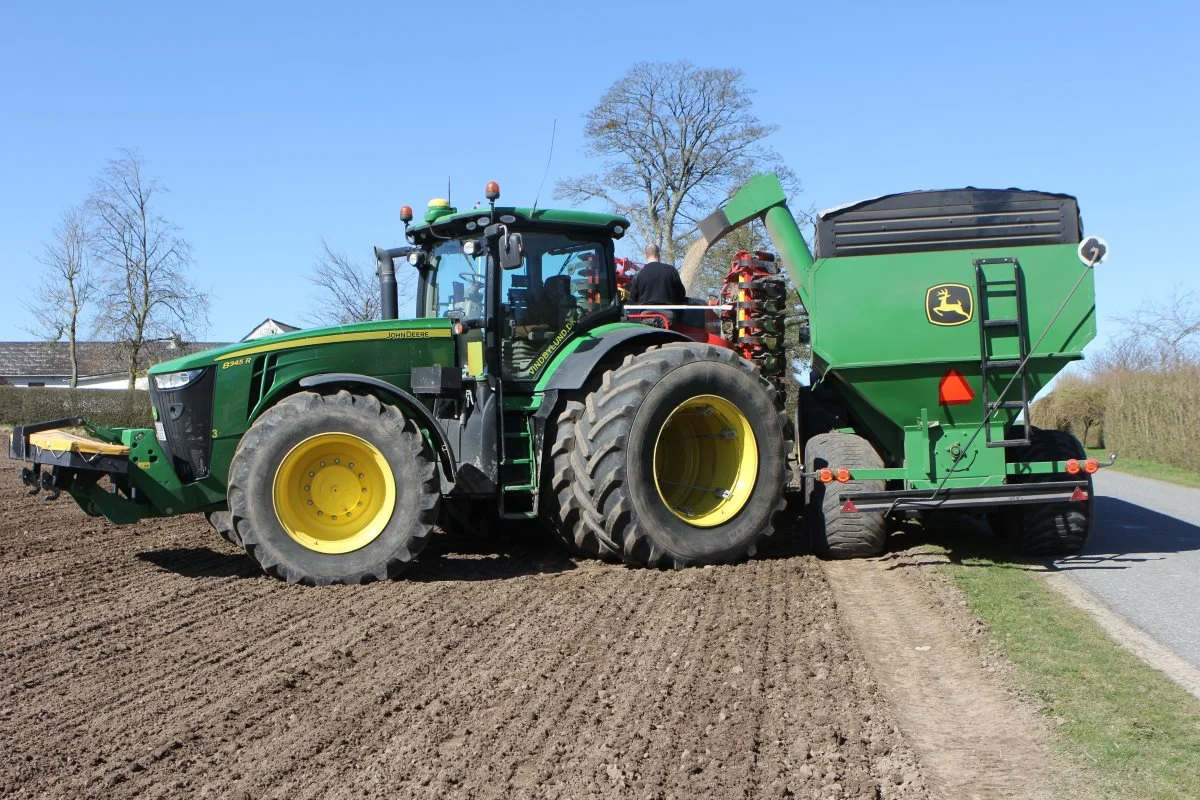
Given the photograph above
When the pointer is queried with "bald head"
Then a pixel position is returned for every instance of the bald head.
(652, 252)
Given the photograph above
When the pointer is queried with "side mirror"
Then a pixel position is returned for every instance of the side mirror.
(512, 251)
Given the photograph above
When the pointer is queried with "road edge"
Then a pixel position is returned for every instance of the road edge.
(1136, 641)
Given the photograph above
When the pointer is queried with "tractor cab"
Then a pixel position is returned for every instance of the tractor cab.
(519, 282)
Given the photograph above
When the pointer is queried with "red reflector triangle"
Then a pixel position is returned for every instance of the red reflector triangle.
(954, 389)
(1079, 494)
(849, 508)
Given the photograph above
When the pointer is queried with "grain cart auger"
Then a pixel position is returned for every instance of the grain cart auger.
(935, 317)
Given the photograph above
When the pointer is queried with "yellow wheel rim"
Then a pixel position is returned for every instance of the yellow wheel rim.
(706, 461)
(334, 493)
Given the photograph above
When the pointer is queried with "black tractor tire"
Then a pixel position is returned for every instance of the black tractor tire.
(1049, 529)
(832, 533)
(222, 522)
(617, 438)
(280, 432)
(567, 506)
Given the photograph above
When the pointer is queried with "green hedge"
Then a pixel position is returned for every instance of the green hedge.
(123, 408)
(1154, 416)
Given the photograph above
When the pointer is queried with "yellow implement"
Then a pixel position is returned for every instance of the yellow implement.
(57, 440)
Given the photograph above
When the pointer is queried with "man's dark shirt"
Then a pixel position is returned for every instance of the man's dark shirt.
(657, 284)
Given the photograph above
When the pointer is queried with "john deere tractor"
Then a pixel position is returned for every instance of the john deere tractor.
(522, 389)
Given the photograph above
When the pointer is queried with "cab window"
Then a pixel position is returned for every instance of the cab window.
(562, 279)
(454, 279)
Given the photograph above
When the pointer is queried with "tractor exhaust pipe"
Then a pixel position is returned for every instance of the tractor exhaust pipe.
(386, 270)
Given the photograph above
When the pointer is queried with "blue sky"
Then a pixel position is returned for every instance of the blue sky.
(275, 126)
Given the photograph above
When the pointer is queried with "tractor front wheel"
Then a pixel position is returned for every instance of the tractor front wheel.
(333, 489)
(682, 451)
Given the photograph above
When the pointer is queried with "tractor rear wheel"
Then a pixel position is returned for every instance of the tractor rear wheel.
(682, 453)
(832, 532)
(1050, 529)
(567, 506)
(222, 522)
(333, 489)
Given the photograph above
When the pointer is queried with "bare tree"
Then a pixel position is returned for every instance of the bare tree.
(674, 140)
(1168, 330)
(66, 286)
(147, 293)
(347, 291)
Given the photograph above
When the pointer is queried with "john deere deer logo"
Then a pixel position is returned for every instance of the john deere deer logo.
(949, 304)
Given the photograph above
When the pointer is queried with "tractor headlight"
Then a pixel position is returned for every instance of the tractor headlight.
(176, 380)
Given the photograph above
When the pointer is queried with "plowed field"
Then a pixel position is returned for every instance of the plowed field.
(155, 661)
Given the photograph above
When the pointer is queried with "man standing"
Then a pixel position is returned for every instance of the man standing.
(657, 284)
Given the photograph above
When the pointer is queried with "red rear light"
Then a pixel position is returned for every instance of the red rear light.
(1073, 466)
(1091, 465)
(843, 475)
(954, 389)
(825, 475)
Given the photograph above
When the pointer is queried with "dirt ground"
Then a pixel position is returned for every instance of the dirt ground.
(976, 740)
(155, 661)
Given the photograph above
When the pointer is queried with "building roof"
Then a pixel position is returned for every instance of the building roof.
(268, 327)
(53, 359)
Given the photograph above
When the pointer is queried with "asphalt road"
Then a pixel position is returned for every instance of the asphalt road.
(1143, 558)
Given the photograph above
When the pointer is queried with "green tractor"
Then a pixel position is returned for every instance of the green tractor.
(523, 390)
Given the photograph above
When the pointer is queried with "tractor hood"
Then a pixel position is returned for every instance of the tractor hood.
(359, 331)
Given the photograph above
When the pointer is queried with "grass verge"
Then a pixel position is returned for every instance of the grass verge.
(1125, 723)
(1148, 469)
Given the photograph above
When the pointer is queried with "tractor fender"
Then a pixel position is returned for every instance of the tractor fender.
(411, 406)
(575, 370)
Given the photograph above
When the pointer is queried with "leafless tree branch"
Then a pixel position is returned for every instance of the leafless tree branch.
(346, 291)
(1163, 334)
(67, 284)
(674, 140)
(147, 294)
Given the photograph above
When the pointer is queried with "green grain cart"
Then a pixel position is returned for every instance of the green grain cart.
(520, 390)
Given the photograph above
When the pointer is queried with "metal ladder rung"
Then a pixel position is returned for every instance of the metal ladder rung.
(988, 365)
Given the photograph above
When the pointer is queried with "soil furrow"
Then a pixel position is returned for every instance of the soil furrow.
(155, 661)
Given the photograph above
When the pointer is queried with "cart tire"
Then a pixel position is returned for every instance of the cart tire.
(1050, 529)
(832, 533)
